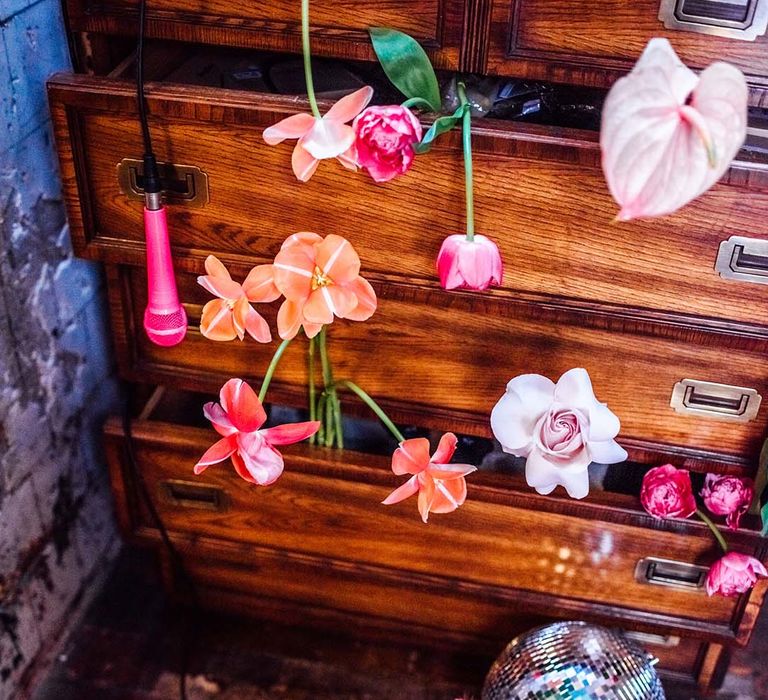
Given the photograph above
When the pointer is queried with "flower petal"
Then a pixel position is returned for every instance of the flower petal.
(449, 495)
(219, 418)
(515, 415)
(215, 268)
(607, 452)
(260, 284)
(338, 259)
(293, 270)
(303, 163)
(449, 472)
(327, 139)
(541, 473)
(257, 326)
(301, 238)
(366, 300)
(242, 405)
(349, 106)
(216, 321)
(265, 465)
(407, 490)
(411, 457)
(574, 389)
(290, 433)
(239, 465)
(293, 127)
(445, 449)
(426, 496)
(289, 319)
(349, 158)
(216, 453)
(222, 287)
(319, 307)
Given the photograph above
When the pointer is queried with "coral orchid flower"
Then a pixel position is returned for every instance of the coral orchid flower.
(667, 134)
(231, 315)
(320, 278)
(441, 486)
(238, 420)
(318, 138)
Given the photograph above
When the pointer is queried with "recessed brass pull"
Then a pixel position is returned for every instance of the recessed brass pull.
(673, 574)
(182, 184)
(735, 19)
(188, 494)
(719, 401)
(743, 259)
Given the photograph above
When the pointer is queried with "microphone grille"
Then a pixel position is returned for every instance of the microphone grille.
(166, 329)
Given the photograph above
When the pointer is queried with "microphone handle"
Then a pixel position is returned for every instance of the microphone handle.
(162, 297)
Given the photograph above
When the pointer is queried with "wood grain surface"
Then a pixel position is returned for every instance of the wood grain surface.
(540, 194)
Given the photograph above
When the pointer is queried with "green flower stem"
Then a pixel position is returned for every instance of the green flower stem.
(308, 58)
(320, 411)
(466, 140)
(333, 407)
(312, 388)
(417, 102)
(271, 369)
(368, 401)
(718, 536)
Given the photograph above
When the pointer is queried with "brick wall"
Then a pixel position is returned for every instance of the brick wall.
(56, 528)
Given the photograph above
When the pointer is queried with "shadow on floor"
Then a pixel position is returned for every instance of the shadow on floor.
(129, 647)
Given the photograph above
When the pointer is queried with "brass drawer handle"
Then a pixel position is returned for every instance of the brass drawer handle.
(743, 259)
(720, 401)
(182, 184)
(736, 19)
(658, 640)
(188, 494)
(673, 574)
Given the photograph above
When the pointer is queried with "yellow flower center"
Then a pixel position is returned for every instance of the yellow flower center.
(320, 279)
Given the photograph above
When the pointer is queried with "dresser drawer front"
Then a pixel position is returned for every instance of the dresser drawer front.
(339, 27)
(478, 344)
(594, 43)
(501, 545)
(541, 197)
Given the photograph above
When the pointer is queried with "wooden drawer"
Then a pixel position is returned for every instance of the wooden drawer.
(540, 194)
(594, 43)
(339, 28)
(320, 535)
(478, 342)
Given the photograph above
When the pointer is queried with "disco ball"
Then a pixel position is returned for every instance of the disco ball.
(572, 661)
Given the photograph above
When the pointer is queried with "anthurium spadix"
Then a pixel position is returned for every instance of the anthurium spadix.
(667, 134)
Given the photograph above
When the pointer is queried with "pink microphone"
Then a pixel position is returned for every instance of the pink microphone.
(165, 320)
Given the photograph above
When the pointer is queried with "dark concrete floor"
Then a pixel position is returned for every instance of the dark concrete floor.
(129, 647)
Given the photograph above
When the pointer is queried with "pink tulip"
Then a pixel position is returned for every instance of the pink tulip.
(238, 419)
(667, 134)
(667, 493)
(729, 496)
(327, 137)
(474, 264)
(735, 573)
(385, 138)
(441, 486)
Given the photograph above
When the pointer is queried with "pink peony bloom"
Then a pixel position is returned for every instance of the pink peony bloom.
(560, 428)
(327, 137)
(468, 264)
(441, 486)
(729, 496)
(667, 493)
(238, 419)
(735, 573)
(384, 140)
(667, 134)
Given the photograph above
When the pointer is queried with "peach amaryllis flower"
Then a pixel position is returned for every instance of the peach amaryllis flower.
(329, 136)
(238, 419)
(320, 278)
(667, 134)
(231, 315)
(441, 486)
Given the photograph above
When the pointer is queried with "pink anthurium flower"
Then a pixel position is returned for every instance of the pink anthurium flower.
(320, 279)
(441, 486)
(667, 134)
(330, 136)
(238, 419)
(231, 315)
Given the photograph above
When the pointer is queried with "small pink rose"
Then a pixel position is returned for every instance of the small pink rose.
(729, 496)
(733, 574)
(667, 493)
(466, 264)
(384, 137)
(559, 428)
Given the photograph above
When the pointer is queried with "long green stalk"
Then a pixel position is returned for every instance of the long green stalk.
(271, 369)
(466, 141)
(305, 48)
(715, 531)
(368, 401)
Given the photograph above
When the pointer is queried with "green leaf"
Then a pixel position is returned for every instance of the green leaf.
(761, 479)
(406, 65)
(764, 516)
(439, 126)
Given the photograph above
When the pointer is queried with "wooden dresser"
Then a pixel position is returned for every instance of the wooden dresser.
(640, 305)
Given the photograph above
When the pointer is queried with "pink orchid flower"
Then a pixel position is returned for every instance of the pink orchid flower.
(667, 134)
(231, 315)
(238, 419)
(330, 136)
(440, 485)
